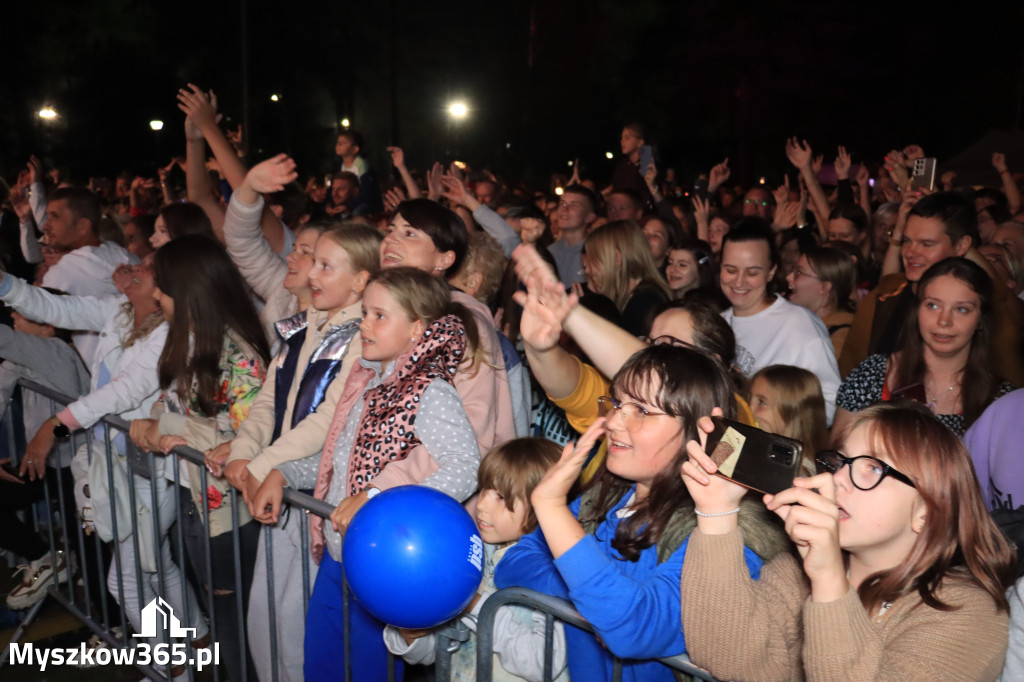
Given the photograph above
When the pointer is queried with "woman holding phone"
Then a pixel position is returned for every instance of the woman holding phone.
(901, 573)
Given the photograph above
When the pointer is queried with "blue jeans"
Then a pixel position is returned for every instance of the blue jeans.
(325, 633)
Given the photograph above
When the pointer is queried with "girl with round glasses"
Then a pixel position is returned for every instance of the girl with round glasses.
(901, 574)
(616, 551)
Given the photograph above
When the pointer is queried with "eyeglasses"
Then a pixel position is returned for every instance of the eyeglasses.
(866, 472)
(667, 340)
(631, 413)
(797, 274)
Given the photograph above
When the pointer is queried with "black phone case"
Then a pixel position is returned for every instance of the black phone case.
(755, 459)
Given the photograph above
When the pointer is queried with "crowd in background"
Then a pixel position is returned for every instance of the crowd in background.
(448, 327)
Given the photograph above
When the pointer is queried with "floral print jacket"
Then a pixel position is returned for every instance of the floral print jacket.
(241, 375)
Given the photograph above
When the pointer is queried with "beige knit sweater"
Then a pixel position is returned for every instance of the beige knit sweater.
(741, 629)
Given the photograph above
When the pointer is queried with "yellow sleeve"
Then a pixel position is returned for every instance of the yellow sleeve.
(581, 405)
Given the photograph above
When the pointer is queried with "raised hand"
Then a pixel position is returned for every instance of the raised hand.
(454, 190)
(781, 192)
(559, 479)
(393, 197)
(711, 493)
(863, 176)
(434, 176)
(842, 164)
(575, 179)
(896, 164)
(530, 229)
(701, 208)
(529, 263)
(397, 156)
(201, 107)
(798, 153)
(998, 161)
(816, 163)
(811, 515)
(719, 174)
(947, 180)
(545, 308)
(272, 175)
(35, 169)
(21, 206)
(911, 153)
(786, 214)
(650, 176)
(456, 172)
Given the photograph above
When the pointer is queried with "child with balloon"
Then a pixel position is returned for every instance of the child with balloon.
(508, 475)
(399, 421)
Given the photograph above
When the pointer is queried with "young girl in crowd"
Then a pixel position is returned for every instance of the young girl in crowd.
(689, 267)
(824, 281)
(618, 263)
(414, 340)
(944, 360)
(426, 236)
(904, 571)
(507, 478)
(210, 369)
(178, 220)
(616, 552)
(290, 416)
(787, 400)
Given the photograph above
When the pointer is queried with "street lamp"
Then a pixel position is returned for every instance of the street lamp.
(47, 113)
(458, 110)
(275, 97)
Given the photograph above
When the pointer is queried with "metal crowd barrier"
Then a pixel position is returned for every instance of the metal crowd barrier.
(553, 608)
(88, 550)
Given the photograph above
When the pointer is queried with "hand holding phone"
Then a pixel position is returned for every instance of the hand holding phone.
(753, 458)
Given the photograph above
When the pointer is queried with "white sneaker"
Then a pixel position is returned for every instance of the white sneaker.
(36, 579)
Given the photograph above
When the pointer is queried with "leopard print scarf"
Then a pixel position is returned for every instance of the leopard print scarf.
(386, 430)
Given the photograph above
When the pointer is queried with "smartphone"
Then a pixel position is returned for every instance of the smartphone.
(755, 459)
(923, 176)
(646, 159)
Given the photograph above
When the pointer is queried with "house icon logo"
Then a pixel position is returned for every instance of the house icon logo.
(156, 612)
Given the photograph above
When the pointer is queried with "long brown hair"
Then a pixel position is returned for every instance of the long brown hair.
(979, 383)
(959, 542)
(622, 254)
(209, 300)
(653, 375)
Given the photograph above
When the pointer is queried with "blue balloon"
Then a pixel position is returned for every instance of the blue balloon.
(413, 557)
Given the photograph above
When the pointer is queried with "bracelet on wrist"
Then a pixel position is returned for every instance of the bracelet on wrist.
(708, 516)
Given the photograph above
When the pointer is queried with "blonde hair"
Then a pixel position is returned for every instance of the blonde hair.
(621, 252)
(483, 255)
(361, 242)
(427, 298)
(801, 405)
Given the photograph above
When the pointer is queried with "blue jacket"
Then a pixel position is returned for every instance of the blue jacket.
(633, 606)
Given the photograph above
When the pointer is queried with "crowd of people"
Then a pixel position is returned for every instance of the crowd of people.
(552, 358)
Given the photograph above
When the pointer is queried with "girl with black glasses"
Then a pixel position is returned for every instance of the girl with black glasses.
(903, 572)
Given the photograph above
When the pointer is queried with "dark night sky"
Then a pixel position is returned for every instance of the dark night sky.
(553, 80)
